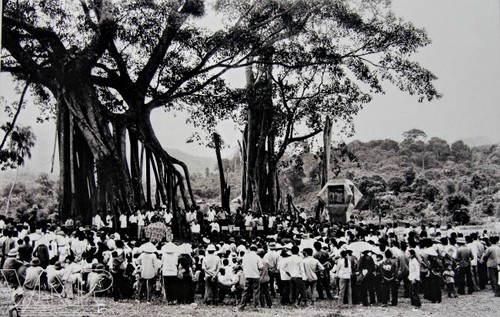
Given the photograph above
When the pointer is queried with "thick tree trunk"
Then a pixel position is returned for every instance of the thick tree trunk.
(259, 116)
(327, 136)
(135, 168)
(83, 169)
(243, 153)
(63, 131)
(149, 203)
(224, 189)
(80, 116)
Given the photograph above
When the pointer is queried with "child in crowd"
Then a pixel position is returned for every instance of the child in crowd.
(449, 279)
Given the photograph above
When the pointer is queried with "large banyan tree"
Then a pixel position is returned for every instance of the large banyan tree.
(110, 64)
(319, 61)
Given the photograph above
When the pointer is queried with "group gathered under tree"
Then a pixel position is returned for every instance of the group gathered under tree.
(102, 68)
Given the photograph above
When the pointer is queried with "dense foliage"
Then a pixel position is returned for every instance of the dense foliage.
(458, 183)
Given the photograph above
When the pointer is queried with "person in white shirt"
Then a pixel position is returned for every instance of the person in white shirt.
(251, 264)
(195, 230)
(297, 277)
(248, 219)
(190, 216)
(311, 268)
(303, 214)
(344, 271)
(285, 277)
(210, 265)
(214, 226)
(211, 214)
(109, 220)
(150, 214)
(170, 261)
(148, 264)
(271, 221)
(272, 257)
(414, 277)
(140, 223)
(123, 223)
(168, 216)
(97, 222)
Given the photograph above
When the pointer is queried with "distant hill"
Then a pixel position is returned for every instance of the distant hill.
(31, 171)
(195, 164)
(408, 181)
(479, 140)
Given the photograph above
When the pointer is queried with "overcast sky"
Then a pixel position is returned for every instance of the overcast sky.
(464, 55)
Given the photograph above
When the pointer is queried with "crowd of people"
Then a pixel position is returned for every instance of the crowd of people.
(245, 258)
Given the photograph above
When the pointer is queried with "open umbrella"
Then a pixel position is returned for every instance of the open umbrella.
(148, 247)
(359, 246)
(45, 239)
(34, 236)
(185, 248)
(430, 251)
(169, 247)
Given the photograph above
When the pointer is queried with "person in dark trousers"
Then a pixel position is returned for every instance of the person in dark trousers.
(434, 279)
(449, 280)
(296, 273)
(464, 272)
(265, 295)
(414, 278)
(366, 268)
(389, 271)
(252, 265)
(324, 276)
(118, 271)
(285, 278)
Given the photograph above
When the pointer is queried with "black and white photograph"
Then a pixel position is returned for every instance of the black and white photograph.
(221, 158)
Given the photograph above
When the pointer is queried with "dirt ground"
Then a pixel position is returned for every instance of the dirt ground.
(479, 304)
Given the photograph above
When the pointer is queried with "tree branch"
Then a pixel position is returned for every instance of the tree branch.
(304, 137)
(43, 35)
(16, 115)
(174, 23)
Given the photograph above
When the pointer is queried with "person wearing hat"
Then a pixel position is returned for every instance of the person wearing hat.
(35, 275)
(284, 277)
(434, 279)
(464, 272)
(170, 260)
(211, 265)
(366, 269)
(11, 266)
(272, 256)
(55, 274)
(149, 265)
(492, 258)
(97, 277)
